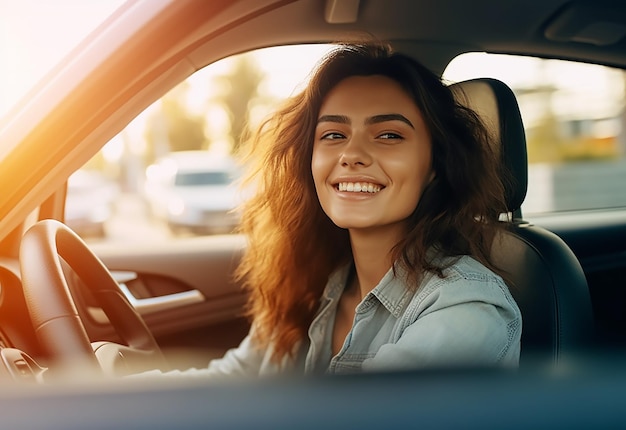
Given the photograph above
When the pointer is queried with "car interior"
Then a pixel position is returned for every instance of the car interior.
(549, 284)
(74, 308)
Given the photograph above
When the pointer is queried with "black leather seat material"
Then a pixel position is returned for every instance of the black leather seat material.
(547, 280)
(551, 290)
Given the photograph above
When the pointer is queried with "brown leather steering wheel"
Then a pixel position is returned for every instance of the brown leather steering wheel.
(54, 314)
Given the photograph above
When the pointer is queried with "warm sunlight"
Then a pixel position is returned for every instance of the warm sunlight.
(36, 34)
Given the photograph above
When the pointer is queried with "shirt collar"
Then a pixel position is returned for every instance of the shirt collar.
(392, 291)
(337, 282)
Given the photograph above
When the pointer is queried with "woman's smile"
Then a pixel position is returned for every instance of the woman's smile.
(358, 187)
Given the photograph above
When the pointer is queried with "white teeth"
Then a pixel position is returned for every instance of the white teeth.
(359, 187)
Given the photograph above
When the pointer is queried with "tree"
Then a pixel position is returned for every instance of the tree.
(185, 131)
(173, 127)
(240, 91)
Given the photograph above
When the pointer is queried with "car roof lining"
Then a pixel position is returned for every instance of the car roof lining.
(417, 30)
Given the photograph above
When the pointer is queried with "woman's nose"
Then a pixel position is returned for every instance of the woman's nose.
(355, 153)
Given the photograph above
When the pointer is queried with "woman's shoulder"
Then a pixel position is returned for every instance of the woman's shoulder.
(466, 280)
(468, 268)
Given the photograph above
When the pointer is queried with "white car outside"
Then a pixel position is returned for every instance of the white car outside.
(195, 191)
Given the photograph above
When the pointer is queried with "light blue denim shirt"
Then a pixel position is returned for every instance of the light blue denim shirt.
(466, 318)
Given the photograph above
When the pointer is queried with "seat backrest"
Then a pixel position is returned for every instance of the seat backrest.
(548, 282)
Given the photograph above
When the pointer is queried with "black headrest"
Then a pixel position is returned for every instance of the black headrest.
(497, 106)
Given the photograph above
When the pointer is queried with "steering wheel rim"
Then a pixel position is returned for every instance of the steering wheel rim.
(55, 317)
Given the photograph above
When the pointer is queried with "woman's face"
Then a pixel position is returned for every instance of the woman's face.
(371, 155)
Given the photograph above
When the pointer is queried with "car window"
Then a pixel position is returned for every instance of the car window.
(573, 115)
(175, 167)
(575, 120)
(203, 178)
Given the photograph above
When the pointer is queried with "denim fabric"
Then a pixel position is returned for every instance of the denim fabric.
(466, 318)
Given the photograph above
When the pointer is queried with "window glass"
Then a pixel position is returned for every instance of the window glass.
(172, 172)
(575, 125)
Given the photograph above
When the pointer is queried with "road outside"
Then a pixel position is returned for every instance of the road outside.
(131, 222)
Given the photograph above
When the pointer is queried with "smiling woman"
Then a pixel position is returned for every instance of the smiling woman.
(415, 316)
(395, 156)
(396, 277)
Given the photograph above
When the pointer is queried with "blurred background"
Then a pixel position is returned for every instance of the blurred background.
(173, 171)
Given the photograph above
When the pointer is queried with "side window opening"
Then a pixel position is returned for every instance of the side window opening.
(575, 120)
(172, 172)
(574, 115)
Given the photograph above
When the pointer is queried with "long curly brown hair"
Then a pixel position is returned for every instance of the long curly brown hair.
(293, 246)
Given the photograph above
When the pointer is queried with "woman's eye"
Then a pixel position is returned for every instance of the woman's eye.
(389, 135)
(332, 136)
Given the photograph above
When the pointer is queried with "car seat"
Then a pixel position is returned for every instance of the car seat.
(548, 282)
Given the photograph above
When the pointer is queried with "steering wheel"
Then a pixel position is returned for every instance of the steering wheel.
(54, 314)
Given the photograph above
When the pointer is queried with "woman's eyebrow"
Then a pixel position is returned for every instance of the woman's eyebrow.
(388, 117)
(341, 119)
